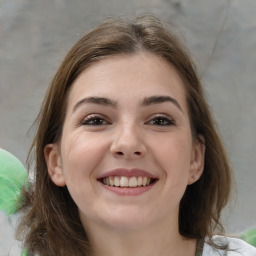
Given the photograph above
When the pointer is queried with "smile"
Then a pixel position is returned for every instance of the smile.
(127, 182)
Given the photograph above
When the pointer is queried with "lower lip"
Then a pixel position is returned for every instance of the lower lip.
(129, 191)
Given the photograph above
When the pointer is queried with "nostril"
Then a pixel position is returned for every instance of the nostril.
(120, 153)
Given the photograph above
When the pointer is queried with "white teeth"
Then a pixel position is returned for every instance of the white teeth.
(123, 181)
(133, 182)
(144, 181)
(139, 181)
(111, 181)
(116, 181)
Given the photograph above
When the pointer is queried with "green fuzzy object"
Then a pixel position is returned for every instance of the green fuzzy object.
(250, 237)
(24, 253)
(13, 176)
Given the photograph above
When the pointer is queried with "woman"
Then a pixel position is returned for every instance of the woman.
(128, 161)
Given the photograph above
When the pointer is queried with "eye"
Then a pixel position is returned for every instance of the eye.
(161, 121)
(94, 120)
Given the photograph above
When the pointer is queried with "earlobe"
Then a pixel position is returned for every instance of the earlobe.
(54, 166)
(197, 161)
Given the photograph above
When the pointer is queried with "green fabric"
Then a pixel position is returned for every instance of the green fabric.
(13, 176)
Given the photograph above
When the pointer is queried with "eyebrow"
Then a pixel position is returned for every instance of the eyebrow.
(160, 99)
(95, 100)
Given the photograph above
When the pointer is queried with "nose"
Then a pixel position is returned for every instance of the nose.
(128, 143)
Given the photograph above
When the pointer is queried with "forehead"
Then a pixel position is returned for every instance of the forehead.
(130, 76)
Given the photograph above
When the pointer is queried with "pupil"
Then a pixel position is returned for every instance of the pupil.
(97, 121)
(160, 121)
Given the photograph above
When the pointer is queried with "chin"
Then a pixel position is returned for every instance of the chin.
(127, 219)
(128, 225)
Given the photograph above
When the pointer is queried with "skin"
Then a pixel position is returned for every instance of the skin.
(128, 134)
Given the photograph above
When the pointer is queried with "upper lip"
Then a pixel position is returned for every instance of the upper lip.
(128, 173)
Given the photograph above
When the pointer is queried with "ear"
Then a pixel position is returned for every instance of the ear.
(197, 160)
(54, 165)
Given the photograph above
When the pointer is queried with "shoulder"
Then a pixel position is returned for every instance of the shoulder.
(237, 247)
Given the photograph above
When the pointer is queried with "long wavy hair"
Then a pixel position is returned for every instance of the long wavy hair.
(50, 223)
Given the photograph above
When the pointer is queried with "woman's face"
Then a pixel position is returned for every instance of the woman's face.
(126, 154)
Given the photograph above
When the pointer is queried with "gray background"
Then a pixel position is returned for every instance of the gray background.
(35, 35)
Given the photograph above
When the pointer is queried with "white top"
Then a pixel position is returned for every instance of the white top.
(239, 247)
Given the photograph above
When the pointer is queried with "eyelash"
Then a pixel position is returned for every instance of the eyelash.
(94, 120)
(98, 120)
(163, 121)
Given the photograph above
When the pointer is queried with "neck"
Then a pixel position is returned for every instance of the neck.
(151, 241)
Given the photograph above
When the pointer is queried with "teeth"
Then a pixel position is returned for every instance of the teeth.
(111, 181)
(144, 182)
(116, 181)
(139, 181)
(124, 181)
(133, 182)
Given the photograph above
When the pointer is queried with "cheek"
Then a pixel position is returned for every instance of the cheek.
(81, 155)
(174, 157)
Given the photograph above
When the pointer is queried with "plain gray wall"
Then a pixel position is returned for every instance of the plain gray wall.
(35, 35)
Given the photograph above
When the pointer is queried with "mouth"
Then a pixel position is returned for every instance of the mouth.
(127, 182)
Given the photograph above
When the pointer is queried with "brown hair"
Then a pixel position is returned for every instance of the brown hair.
(51, 224)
